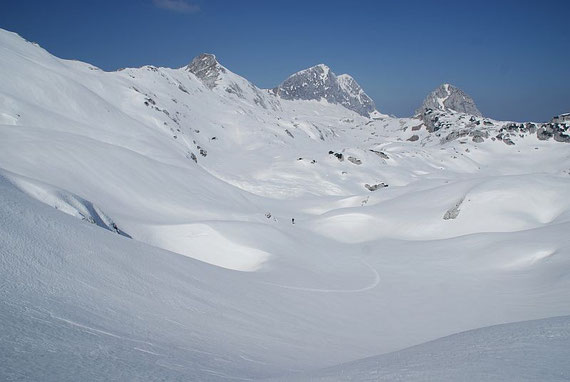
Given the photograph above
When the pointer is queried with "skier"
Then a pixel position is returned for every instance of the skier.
(292, 220)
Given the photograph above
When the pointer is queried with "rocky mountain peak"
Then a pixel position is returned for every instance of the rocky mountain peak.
(449, 98)
(319, 81)
(206, 68)
(319, 67)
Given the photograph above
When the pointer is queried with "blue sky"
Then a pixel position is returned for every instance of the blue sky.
(512, 57)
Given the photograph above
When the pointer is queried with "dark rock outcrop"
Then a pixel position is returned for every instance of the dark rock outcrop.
(375, 187)
(380, 154)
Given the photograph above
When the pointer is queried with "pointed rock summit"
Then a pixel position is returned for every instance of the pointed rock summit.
(206, 68)
(449, 98)
(320, 82)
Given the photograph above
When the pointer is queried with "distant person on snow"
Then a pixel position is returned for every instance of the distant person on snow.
(292, 220)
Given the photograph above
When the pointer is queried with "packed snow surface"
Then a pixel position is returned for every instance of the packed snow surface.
(146, 233)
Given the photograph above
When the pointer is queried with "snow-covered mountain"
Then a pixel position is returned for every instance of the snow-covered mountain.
(448, 98)
(146, 228)
(319, 82)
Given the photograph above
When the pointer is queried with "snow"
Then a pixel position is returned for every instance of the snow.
(325, 71)
(524, 351)
(209, 288)
(441, 100)
(203, 242)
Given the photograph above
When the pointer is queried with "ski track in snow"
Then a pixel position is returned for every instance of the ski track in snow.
(370, 286)
(99, 331)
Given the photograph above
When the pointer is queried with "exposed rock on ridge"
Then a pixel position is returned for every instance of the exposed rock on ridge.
(319, 82)
(206, 68)
(449, 98)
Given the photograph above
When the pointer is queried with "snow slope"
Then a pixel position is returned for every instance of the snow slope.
(524, 351)
(81, 302)
(204, 172)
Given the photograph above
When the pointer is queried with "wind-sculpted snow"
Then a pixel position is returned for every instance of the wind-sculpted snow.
(64, 201)
(268, 235)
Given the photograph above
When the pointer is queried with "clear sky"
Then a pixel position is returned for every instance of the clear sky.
(512, 57)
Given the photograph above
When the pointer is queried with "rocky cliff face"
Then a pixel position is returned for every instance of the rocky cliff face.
(219, 79)
(206, 68)
(319, 82)
(449, 98)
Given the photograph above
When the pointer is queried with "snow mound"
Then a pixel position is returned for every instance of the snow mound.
(501, 204)
(202, 242)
